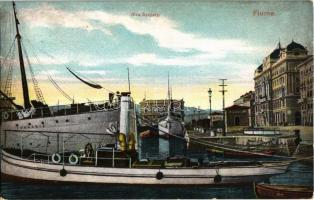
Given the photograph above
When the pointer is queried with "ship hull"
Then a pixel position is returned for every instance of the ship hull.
(46, 134)
(283, 191)
(14, 166)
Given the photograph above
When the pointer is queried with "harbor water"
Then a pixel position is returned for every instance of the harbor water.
(298, 174)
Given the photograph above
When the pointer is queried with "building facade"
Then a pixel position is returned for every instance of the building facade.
(306, 91)
(153, 110)
(248, 100)
(216, 119)
(277, 87)
(286, 85)
(237, 118)
(263, 89)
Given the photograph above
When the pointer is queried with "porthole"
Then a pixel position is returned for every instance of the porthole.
(89, 118)
(57, 121)
(16, 125)
(42, 122)
(66, 120)
(29, 124)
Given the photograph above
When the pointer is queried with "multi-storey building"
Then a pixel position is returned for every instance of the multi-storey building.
(306, 91)
(277, 87)
(263, 89)
(286, 84)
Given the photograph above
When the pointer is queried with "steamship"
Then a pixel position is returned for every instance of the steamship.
(42, 125)
(96, 142)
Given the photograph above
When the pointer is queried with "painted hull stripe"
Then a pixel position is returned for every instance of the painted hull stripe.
(31, 161)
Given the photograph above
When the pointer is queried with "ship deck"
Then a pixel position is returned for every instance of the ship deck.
(59, 110)
(123, 160)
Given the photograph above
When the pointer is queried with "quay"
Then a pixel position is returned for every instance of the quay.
(283, 144)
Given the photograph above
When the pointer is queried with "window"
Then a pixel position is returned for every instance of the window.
(237, 121)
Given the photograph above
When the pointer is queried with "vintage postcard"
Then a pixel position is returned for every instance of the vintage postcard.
(143, 99)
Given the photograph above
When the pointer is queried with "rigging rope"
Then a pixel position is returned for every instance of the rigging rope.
(8, 53)
(8, 82)
(54, 83)
(37, 89)
(6, 60)
(212, 144)
(52, 57)
(264, 163)
(59, 89)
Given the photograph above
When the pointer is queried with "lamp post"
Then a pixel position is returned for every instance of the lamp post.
(210, 107)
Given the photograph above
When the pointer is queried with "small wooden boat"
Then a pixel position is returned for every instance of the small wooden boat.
(283, 191)
(240, 153)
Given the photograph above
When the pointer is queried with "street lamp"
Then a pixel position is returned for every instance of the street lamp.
(210, 106)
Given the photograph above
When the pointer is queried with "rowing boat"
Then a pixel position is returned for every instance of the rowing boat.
(283, 191)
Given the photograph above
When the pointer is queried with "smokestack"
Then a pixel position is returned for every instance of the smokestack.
(124, 120)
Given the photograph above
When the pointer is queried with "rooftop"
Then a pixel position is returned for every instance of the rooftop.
(293, 45)
(236, 107)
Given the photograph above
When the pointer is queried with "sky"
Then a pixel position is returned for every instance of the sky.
(196, 42)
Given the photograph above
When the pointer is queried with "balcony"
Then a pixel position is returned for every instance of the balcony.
(302, 100)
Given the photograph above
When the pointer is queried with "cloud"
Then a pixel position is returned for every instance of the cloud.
(46, 60)
(152, 59)
(163, 30)
(166, 32)
(48, 16)
(93, 72)
(142, 60)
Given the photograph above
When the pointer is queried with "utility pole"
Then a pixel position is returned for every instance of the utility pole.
(223, 104)
(129, 80)
(194, 119)
(199, 110)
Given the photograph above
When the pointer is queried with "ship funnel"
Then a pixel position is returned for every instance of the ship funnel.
(124, 120)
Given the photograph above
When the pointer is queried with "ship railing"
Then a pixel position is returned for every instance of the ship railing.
(113, 158)
(44, 158)
(61, 110)
(261, 131)
(33, 157)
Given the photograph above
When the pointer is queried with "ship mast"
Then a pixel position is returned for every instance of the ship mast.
(169, 100)
(22, 67)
